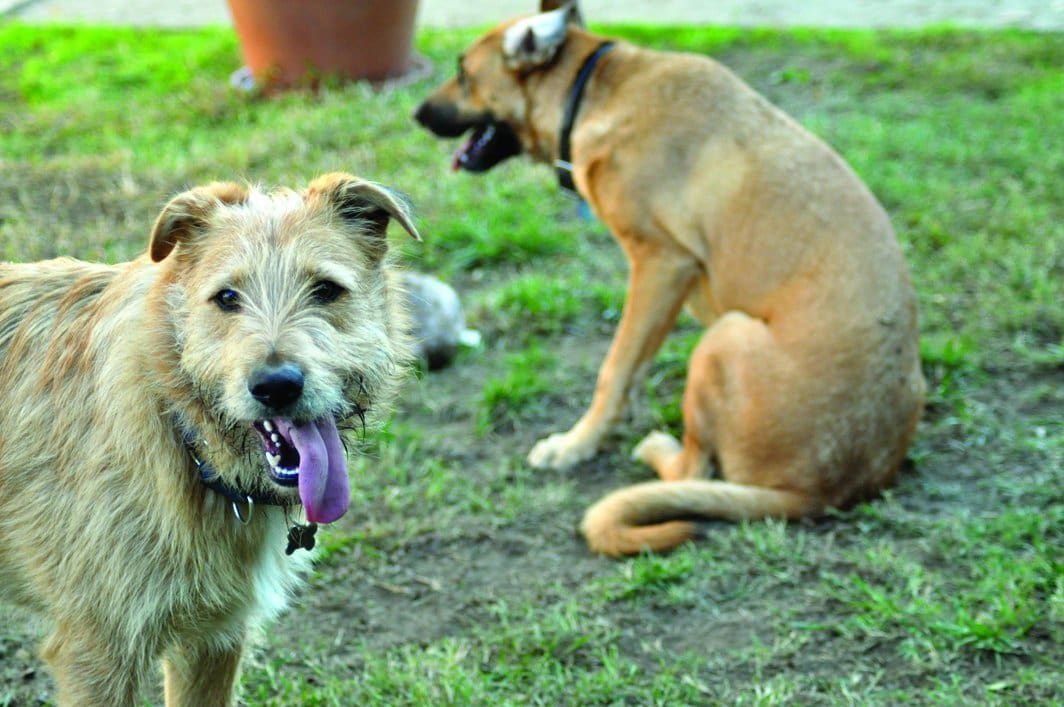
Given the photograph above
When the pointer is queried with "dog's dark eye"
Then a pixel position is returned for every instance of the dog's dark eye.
(325, 292)
(227, 300)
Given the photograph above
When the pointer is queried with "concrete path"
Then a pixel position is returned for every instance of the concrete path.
(1031, 14)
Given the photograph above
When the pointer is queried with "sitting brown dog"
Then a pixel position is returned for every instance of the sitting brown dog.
(806, 387)
(164, 421)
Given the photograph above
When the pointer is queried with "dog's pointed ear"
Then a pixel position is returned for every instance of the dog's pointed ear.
(187, 214)
(366, 205)
(533, 41)
(575, 16)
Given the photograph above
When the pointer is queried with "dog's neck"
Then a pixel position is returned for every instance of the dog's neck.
(243, 502)
(210, 478)
(563, 165)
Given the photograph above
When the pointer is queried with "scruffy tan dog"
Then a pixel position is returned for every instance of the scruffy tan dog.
(163, 421)
(806, 387)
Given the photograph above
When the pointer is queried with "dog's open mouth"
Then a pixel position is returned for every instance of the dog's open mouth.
(490, 144)
(309, 455)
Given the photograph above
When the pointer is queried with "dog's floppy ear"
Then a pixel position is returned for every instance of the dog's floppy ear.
(533, 42)
(187, 213)
(367, 205)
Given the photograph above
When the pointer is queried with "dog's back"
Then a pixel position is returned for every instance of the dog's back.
(42, 287)
(47, 310)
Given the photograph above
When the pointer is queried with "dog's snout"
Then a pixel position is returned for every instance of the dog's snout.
(276, 386)
(441, 118)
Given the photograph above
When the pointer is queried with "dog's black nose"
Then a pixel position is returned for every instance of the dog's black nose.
(276, 386)
(421, 115)
(441, 119)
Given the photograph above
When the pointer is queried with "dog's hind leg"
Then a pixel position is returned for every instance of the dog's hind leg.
(734, 408)
(202, 674)
(704, 401)
(750, 406)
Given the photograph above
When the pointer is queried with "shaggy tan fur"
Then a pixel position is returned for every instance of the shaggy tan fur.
(105, 525)
(806, 387)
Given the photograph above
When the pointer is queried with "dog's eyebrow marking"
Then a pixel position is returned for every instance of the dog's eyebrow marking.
(324, 272)
(460, 70)
(233, 280)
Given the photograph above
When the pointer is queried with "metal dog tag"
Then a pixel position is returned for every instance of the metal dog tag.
(301, 536)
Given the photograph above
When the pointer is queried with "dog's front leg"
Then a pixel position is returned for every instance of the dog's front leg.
(90, 671)
(658, 283)
(204, 674)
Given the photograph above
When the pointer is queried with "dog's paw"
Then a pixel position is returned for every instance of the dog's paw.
(656, 448)
(560, 451)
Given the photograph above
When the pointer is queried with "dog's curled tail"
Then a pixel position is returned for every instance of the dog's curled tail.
(656, 515)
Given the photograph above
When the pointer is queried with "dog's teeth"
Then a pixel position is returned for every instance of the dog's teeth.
(274, 460)
(268, 426)
(275, 439)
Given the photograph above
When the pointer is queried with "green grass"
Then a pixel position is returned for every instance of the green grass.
(457, 577)
(525, 381)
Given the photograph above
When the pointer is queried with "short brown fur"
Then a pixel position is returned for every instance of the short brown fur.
(106, 528)
(805, 389)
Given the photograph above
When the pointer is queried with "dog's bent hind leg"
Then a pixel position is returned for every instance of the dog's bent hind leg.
(733, 372)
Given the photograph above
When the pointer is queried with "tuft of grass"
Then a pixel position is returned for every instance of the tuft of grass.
(975, 590)
(536, 305)
(653, 575)
(522, 386)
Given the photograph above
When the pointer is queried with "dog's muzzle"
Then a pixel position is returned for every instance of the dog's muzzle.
(441, 119)
(302, 453)
(491, 142)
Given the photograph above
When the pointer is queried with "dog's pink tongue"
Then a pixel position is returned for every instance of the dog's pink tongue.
(323, 484)
(459, 157)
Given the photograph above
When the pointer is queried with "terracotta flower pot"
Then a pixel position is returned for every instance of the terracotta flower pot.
(295, 42)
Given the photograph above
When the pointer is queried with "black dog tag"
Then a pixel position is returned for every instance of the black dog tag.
(301, 536)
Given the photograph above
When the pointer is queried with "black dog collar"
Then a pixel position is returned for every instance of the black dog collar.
(300, 537)
(209, 477)
(563, 165)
